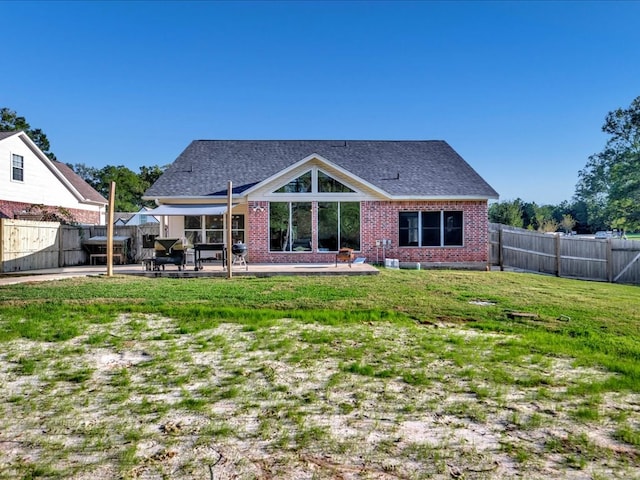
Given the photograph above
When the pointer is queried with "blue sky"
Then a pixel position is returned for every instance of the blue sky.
(519, 89)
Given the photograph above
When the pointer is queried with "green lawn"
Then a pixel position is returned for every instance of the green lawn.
(406, 374)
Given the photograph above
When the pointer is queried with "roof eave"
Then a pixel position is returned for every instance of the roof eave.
(443, 197)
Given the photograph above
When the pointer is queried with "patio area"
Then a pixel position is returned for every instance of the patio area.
(209, 270)
(258, 270)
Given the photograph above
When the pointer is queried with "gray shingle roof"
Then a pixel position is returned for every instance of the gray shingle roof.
(4, 135)
(84, 189)
(400, 168)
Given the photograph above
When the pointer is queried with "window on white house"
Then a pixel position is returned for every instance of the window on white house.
(17, 168)
(430, 229)
(338, 225)
(290, 226)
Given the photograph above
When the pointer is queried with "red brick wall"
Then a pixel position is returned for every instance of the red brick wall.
(379, 220)
(11, 209)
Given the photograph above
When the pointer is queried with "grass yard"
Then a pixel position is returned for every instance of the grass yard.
(402, 375)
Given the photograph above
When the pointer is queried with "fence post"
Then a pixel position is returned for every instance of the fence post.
(500, 245)
(558, 259)
(609, 260)
(61, 245)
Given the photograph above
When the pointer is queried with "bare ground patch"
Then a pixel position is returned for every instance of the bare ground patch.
(138, 399)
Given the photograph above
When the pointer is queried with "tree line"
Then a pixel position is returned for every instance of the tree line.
(567, 216)
(607, 194)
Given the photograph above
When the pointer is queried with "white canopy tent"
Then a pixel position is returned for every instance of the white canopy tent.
(188, 209)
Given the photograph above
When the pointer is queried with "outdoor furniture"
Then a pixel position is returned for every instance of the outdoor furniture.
(219, 248)
(345, 255)
(96, 247)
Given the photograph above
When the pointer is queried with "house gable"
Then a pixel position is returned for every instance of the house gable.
(309, 170)
(43, 182)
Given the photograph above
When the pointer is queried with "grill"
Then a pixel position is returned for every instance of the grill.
(169, 251)
(239, 249)
(239, 252)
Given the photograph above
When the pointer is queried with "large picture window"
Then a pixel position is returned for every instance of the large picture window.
(338, 225)
(290, 226)
(430, 229)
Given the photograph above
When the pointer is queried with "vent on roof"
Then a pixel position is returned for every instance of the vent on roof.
(343, 144)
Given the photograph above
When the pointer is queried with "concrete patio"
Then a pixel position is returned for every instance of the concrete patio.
(171, 271)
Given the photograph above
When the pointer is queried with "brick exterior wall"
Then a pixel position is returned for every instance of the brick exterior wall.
(12, 209)
(379, 220)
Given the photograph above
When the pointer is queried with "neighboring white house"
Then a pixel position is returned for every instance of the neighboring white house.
(29, 178)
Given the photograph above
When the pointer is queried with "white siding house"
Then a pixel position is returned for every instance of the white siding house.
(28, 177)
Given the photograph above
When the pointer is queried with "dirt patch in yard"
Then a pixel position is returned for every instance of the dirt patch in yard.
(137, 398)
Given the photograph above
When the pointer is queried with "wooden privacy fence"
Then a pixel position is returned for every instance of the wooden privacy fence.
(608, 260)
(30, 245)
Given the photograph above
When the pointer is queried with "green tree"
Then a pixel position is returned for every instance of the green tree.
(11, 122)
(129, 187)
(567, 223)
(149, 175)
(507, 213)
(609, 185)
(543, 220)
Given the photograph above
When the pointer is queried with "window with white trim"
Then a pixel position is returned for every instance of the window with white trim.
(314, 181)
(17, 168)
(302, 184)
(338, 226)
(290, 226)
(430, 229)
(211, 228)
(328, 184)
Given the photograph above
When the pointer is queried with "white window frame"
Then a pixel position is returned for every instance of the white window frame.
(15, 156)
(314, 185)
(238, 234)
